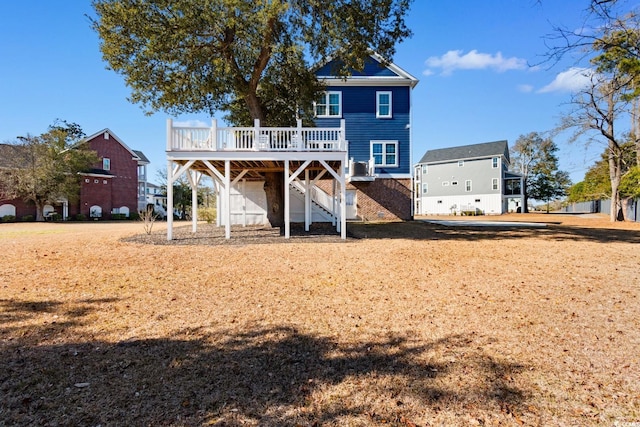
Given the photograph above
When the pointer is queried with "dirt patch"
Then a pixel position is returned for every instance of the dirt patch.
(401, 324)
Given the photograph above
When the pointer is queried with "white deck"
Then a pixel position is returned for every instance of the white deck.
(229, 154)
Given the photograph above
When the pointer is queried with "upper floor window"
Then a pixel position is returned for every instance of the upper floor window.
(385, 153)
(425, 169)
(467, 185)
(383, 105)
(329, 105)
(494, 162)
(494, 183)
(106, 163)
(460, 163)
(425, 188)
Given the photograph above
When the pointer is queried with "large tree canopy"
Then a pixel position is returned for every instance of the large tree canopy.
(185, 56)
(44, 169)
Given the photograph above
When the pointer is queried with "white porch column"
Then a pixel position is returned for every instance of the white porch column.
(219, 196)
(343, 201)
(243, 187)
(308, 212)
(194, 178)
(287, 214)
(227, 203)
(169, 198)
(334, 211)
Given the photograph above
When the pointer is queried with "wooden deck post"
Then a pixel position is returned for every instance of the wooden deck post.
(194, 178)
(227, 202)
(169, 199)
(308, 213)
(287, 196)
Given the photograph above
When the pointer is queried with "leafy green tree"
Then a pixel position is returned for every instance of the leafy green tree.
(250, 59)
(550, 186)
(43, 169)
(630, 184)
(535, 158)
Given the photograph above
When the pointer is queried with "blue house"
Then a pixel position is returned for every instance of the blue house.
(376, 107)
(355, 163)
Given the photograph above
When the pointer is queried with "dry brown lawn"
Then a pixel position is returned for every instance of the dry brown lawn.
(402, 324)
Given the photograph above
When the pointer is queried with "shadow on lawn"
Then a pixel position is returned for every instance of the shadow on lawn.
(265, 376)
(419, 230)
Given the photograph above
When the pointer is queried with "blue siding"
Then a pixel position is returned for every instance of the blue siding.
(371, 68)
(359, 112)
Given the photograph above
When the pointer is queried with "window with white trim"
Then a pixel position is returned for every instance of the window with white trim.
(494, 183)
(383, 105)
(467, 185)
(425, 169)
(494, 163)
(385, 153)
(329, 105)
(460, 163)
(425, 188)
(106, 163)
(445, 183)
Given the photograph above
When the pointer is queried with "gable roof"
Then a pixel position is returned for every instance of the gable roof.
(375, 72)
(465, 152)
(114, 136)
(142, 157)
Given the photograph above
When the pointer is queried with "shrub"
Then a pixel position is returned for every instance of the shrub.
(118, 216)
(81, 217)
(134, 216)
(28, 218)
(8, 218)
(207, 214)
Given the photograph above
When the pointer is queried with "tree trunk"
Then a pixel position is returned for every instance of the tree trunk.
(39, 212)
(274, 189)
(525, 197)
(615, 177)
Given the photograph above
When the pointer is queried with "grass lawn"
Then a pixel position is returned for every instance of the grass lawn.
(402, 324)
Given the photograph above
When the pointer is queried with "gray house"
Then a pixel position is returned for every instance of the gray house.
(471, 178)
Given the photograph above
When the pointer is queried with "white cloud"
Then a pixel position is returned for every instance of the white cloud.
(473, 60)
(192, 124)
(572, 80)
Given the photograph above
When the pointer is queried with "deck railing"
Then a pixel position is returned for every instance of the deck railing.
(255, 138)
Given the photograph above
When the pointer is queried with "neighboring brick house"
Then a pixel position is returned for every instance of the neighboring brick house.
(467, 179)
(376, 107)
(110, 187)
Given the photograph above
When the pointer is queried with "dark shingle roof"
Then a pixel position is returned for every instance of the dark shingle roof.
(474, 151)
(143, 158)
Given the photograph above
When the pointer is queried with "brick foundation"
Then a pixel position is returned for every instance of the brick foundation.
(385, 199)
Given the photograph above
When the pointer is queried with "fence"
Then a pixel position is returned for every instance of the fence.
(604, 206)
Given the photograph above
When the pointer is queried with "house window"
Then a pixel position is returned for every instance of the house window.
(425, 188)
(439, 202)
(460, 163)
(95, 181)
(106, 163)
(425, 169)
(329, 105)
(477, 200)
(104, 181)
(494, 162)
(385, 153)
(454, 182)
(383, 105)
(467, 185)
(445, 183)
(86, 180)
(494, 183)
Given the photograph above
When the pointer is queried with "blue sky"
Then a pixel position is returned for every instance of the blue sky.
(474, 59)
